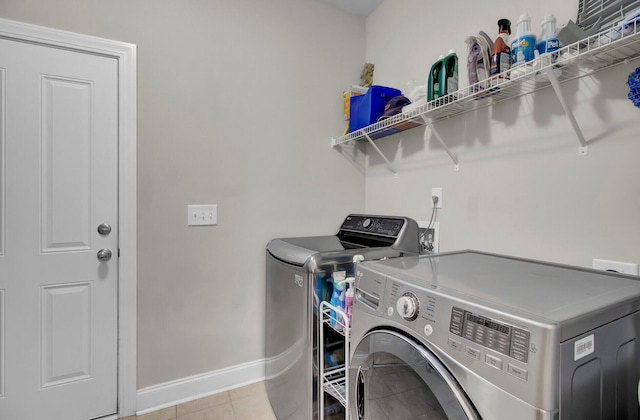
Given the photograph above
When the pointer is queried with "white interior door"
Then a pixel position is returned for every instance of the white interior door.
(58, 183)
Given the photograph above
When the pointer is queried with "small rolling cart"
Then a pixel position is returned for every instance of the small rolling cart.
(334, 362)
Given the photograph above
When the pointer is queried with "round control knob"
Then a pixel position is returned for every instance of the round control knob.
(428, 330)
(408, 306)
(366, 223)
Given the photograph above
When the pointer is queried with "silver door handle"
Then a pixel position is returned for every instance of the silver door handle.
(104, 255)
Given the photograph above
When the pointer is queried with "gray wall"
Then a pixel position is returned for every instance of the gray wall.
(237, 103)
(521, 189)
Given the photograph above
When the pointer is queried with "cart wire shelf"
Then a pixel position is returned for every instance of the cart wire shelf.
(335, 379)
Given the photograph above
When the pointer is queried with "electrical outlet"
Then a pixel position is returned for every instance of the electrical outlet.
(202, 214)
(429, 238)
(615, 266)
(436, 192)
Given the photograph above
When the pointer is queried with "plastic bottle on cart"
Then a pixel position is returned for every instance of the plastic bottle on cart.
(449, 75)
(348, 299)
(501, 52)
(337, 298)
(549, 42)
(523, 46)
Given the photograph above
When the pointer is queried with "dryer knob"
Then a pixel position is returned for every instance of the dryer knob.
(408, 306)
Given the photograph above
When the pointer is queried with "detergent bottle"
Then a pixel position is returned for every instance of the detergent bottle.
(523, 46)
(501, 52)
(433, 85)
(548, 40)
(449, 75)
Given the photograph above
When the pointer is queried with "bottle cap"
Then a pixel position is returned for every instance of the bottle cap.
(548, 19)
(504, 25)
(339, 276)
(524, 17)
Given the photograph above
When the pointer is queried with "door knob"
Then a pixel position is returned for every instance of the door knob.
(104, 229)
(104, 255)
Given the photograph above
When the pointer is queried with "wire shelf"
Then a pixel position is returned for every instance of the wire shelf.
(607, 48)
(334, 378)
(334, 384)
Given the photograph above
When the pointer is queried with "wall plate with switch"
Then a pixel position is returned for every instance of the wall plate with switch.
(202, 214)
(436, 192)
(430, 241)
(615, 266)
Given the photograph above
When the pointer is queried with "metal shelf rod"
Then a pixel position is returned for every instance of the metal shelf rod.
(452, 155)
(584, 147)
(380, 152)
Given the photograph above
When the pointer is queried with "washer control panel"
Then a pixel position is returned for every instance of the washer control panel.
(487, 332)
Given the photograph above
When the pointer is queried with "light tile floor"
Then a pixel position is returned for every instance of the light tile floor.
(246, 403)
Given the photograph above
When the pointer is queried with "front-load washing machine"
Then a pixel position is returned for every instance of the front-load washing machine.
(470, 335)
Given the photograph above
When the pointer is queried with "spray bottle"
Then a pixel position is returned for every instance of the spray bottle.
(348, 299)
(501, 53)
(523, 46)
(449, 75)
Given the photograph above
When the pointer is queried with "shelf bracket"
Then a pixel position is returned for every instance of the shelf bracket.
(379, 152)
(584, 146)
(430, 125)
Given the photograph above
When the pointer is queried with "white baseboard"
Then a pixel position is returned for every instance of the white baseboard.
(168, 394)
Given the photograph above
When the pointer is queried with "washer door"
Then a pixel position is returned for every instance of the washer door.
(394, 377)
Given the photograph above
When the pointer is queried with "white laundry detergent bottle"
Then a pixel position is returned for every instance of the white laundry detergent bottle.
(523, 46)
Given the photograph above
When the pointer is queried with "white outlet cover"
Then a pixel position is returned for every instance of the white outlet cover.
(618, 267)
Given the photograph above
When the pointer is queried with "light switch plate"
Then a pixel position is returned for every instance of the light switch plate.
(202, 214)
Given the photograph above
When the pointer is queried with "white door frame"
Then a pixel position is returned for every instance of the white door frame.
(127, 184)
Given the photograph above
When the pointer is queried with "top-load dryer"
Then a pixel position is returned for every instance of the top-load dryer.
(295, 267)
(470, 335)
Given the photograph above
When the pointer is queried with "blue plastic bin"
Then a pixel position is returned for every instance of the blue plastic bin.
(366, 109)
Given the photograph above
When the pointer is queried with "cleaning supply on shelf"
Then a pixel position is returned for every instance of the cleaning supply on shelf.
(548, 39)
(449, 76)
(501, 51)
(433, 85)
(478, 57)
(523, 46)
